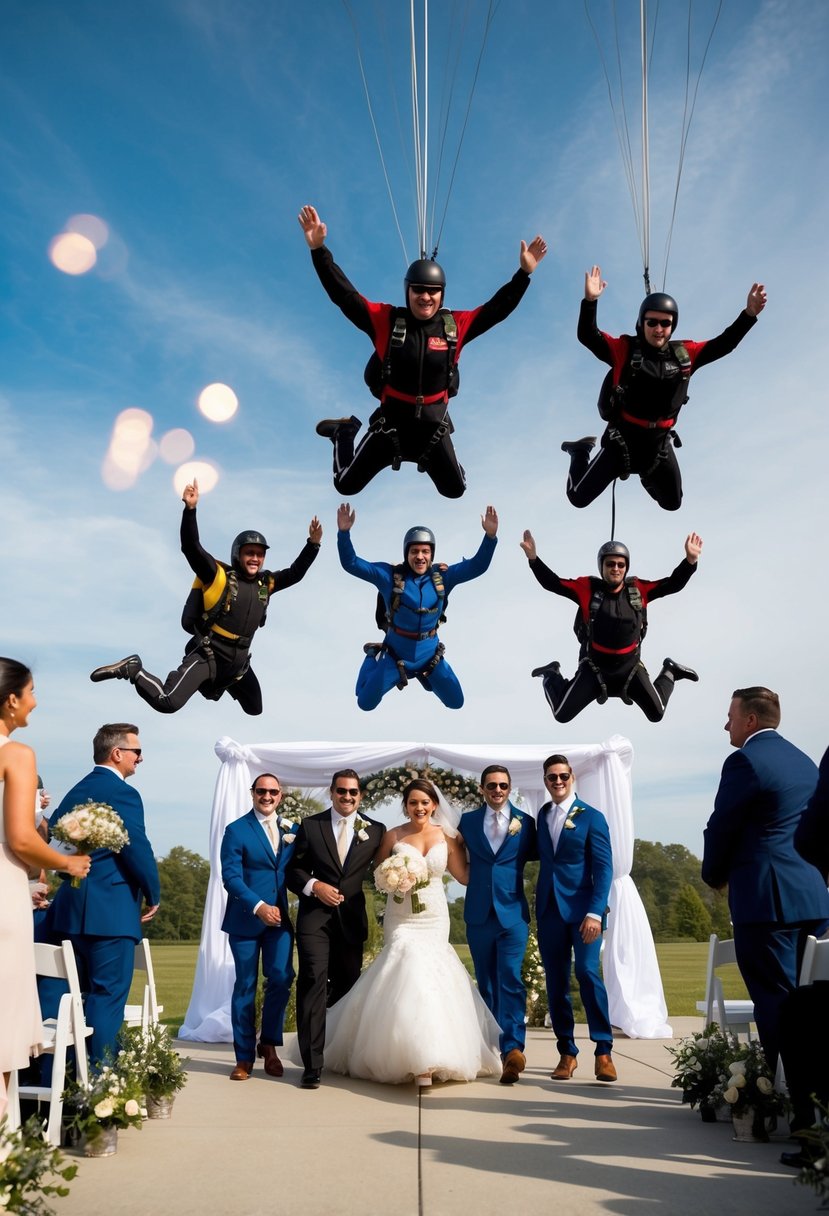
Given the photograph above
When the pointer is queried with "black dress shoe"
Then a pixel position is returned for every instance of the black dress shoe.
(678, 671)
(553, 668)
(124, 669)
(311, 1078)
(330, 428)
(586, 444)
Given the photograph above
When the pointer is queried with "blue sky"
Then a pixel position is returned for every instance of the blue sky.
(195, 129)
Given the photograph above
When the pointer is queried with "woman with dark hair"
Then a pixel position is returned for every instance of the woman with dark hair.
(20, 847)
(415, 1014)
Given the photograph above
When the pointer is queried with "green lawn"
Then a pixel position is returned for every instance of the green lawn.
(682, 965)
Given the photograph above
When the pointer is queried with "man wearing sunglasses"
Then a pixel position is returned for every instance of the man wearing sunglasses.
(570, 905)
(103, 916)
(643, 393)
(610, 624)
(332, 856)
(413, 370)
(255, 853)
(500, 840)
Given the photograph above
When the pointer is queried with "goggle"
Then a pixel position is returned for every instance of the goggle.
(655, 323)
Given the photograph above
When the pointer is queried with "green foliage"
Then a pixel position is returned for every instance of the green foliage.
(662, 874)
(151, 1053)
(26, 1161)
(183, 876)
(691, 917)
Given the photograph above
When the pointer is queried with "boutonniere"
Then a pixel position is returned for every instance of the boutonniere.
(287, 828)
(570, 821)
(360, 826)
(514, 826)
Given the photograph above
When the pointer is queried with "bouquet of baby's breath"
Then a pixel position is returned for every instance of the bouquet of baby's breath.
(26, 1159)
(89, 826)
(702, 1062)
(401, 874)
(155, 1058)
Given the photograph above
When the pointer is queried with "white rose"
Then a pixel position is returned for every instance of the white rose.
(764, 1085)
(289, 837)
(738, 1068)
(73, 827)
(739, 1081)
(104, 1109)
(731, 1095)
(702, 1044)
(131, 1108)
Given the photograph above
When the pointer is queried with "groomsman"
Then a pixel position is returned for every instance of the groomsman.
(500, 840)
(570, 906)
(256, 850)
(333, 853)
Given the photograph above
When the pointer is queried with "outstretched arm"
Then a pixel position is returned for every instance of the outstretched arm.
(532, 254)
(693, 547)
(756, 301)
(345, 517)
(594, 284)
(489, 521)
(314, 230)
(190, 495)
(529, 546)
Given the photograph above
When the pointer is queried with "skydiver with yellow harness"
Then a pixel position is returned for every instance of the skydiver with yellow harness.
(414, 596)
(414, 368)
(226, 605)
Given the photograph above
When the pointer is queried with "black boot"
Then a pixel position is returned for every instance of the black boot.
(586, 444)
(553, 668)
(124, 669)
(677, 671)
(330, 428)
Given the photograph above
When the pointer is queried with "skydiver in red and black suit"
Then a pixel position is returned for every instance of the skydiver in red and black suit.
(610, 624)
(413, 370)
(643, 393)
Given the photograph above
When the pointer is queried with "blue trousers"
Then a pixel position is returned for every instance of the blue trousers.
(105, 967)
(275, 947)
(556, 940)
(497, 955)
(377, 676)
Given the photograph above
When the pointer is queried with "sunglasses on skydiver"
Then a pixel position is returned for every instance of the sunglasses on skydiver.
(558, 778)
(425, 289)
(343, 789)
(497, 785)
(260, 791)
(655, 323)
(621, 564)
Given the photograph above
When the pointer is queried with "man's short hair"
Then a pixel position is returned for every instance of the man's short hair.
(345, 772)
(556, 760)
(761, 702)
(112, 734)
(495, 768)
(272, 776)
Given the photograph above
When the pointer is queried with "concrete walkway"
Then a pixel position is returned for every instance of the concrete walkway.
(264, 1147)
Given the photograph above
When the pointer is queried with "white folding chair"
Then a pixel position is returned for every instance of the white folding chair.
(68, 1029)
(147, 1013)
(731, 1015)
(815, 965)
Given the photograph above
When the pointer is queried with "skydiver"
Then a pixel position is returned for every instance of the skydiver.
(643, 393)
(610, 624)
(227, 604)
(414, 596)
(414, 368)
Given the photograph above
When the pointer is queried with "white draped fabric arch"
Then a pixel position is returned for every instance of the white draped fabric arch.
(634, 986)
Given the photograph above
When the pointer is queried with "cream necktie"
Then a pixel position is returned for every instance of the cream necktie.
(497, 831)
(273, 835)
(342, 840)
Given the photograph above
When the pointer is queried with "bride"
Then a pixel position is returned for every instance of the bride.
(415, 1013)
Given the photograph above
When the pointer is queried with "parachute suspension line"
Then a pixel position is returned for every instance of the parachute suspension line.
(646, 182)
(687, 117)
(492, 9)
(420, 131)
(446, 107)
(613, 510)
(374, 126)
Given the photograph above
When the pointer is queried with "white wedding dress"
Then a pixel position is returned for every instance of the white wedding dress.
(414, 1010)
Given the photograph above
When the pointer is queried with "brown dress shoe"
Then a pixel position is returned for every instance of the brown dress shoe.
(242, 1070)
(565, 1068)
(273, 1064)
(514, 1063)
(605, 1069)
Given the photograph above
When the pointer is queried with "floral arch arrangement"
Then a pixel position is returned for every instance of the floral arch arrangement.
(462, 793)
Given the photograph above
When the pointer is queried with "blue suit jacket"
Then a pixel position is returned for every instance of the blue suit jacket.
(252, 872)
(108, 901)
(749, 840)
(496, 880)
(812, 836)
(575, 879)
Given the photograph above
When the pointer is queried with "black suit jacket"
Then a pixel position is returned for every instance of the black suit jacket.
(315, 856)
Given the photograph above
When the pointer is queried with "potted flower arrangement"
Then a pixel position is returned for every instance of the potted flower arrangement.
(748, 1088)
(158, 1063)
(110, 1100)
(26, 1159)
(816, 1147)
(702, 1061)
(532, 973)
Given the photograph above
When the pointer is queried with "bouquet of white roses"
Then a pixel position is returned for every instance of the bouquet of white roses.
(89, 826)
(113, 1097)
(400, 875)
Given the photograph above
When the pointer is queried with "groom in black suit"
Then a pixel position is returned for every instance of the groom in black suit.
(333, 852)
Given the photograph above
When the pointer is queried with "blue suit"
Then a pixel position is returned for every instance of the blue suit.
(252, 873)
(574, 881)
(776, 898)
(102, 917)
(498, 918)
(418, 616)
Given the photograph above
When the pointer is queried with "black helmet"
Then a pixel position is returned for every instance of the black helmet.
(418, 536)
(424, 271)
(658, 301)
(614, 548)
(246, 538)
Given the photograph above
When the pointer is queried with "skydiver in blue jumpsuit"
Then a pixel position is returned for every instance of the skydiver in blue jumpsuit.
(414, 596)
